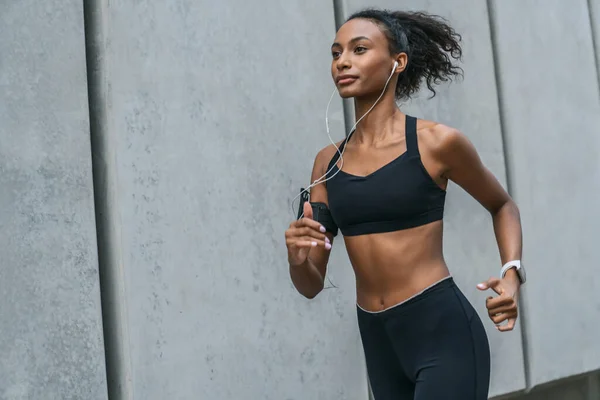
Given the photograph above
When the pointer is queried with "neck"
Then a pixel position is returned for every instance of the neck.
(378, 124)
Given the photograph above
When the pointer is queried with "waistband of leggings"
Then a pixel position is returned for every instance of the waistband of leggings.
(441, 284)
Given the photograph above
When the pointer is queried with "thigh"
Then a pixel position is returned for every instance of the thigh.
(460, 369)
(387, 379)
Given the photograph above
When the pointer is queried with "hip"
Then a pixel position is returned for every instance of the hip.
(440, 309)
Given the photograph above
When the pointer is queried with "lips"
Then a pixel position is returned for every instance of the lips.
(346, 79)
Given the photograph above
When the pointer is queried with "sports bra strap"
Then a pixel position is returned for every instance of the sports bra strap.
(336, 155)
(412, 147)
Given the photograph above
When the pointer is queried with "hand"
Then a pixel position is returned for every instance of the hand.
(304, 234)
(504, 307)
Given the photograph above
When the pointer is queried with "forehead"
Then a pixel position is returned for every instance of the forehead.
(359, 27)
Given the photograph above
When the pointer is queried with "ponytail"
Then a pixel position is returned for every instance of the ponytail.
(430, 43)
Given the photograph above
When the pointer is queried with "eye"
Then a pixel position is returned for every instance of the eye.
(360, 49)
(335, 54)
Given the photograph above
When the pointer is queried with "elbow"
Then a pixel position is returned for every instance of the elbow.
(507, 207)
(513, 208)
(507, 213)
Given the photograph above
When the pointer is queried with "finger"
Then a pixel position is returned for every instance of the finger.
(303, 244)
(308, 213)
(500, 301)
(499, 318)
(492, 283)
(317, 242)
(302, 222)
(512, 308)
(308, 232)
(487, 284)
(314, 242)
(508, 327)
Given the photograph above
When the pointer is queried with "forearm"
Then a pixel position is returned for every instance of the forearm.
(507, 227)
(307, 279)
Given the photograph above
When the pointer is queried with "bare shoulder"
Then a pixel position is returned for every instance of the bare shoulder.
(325, 155)
(439, 139)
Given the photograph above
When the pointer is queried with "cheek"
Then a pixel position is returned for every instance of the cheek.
(372, 66)
(378, 75)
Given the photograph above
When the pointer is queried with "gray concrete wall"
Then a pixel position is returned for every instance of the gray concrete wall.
(470, 105)
(213, 115)
(206, 117)
(551, 113)
(50, 320)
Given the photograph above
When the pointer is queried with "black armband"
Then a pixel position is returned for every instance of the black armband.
(321, 213)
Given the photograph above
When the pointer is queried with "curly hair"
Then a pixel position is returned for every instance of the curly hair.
(429, 42)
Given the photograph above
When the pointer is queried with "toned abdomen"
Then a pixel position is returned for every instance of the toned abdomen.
(393, 266)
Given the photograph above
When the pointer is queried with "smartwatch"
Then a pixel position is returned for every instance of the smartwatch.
(516, 264)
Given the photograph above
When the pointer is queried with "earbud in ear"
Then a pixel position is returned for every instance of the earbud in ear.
(395, 66)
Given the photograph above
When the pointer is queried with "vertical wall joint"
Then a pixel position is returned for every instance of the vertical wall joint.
(118, 369)
(508, 168)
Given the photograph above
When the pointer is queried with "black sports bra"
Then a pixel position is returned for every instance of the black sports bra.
(399, 195)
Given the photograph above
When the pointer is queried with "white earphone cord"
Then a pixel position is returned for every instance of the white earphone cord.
(320, 180)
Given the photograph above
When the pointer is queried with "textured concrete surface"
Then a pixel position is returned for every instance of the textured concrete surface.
(551, 114)
(207, 117)
(213, 114)
(50, 319)
(470, 105)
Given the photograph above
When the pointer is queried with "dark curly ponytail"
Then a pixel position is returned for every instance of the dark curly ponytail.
(427, 39)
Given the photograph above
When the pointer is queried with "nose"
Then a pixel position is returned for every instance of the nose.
(343, 63)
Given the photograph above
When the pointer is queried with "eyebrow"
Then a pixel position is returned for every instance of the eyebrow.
(354, 40)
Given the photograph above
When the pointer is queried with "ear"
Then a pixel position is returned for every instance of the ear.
(402, 59)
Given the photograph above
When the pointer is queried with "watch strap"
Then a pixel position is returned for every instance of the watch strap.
(513, 264)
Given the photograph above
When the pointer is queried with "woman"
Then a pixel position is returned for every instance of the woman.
(422, 339)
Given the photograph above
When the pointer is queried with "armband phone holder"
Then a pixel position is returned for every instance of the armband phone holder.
(321, 213)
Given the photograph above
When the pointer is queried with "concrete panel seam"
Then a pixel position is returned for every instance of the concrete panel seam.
(116, 336)
(509, 172)
(339, 13)
(595, 44)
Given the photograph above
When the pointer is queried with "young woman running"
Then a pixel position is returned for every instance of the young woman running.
(422, 339)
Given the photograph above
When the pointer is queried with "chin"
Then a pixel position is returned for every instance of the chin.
(348, 92)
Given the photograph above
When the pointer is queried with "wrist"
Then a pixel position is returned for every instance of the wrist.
(512, 276)
(513, 271)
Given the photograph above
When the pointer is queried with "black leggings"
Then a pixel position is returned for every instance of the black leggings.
(431, 347)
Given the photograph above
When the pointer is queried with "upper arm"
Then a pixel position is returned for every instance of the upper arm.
(463, 166)
(318, 194)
